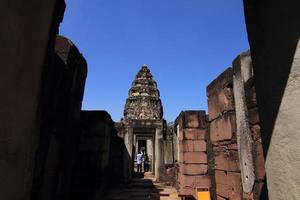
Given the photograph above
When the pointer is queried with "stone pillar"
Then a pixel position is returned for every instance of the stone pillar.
(192, 173)
(159, 155)
(168, 152)
(242, 72)
(128, 139)
(235, 133)
(150, 153)
(222, 121)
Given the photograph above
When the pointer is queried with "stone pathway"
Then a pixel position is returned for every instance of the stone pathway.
(142, 189)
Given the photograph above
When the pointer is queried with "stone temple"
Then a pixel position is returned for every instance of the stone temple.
(143, 121)
(245, 146)
(143, 102)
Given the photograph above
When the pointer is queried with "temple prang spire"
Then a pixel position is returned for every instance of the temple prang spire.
(143, 102)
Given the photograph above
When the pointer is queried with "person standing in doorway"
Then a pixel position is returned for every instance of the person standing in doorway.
(139, 161)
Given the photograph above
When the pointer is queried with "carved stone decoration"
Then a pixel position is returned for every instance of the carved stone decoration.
(143, 102)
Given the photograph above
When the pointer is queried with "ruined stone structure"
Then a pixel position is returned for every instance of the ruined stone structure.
(191, 134)
(60, 125)
(100, 152)
(223, 152)
(28, 33)
(223, 136)
(169, 147)
(235, 133)
(143, 102)
(47, 154)
(143, 122)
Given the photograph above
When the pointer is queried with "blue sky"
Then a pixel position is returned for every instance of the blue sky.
(185, 43)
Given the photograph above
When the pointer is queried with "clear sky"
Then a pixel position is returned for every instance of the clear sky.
(185, 43)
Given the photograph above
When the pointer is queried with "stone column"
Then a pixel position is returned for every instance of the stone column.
(150, 153)
(159, 155)
(241, 73)
(128, 139)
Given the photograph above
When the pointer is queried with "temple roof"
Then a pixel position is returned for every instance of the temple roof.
(143, 100)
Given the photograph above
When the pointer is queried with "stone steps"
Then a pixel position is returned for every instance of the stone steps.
(141, 189)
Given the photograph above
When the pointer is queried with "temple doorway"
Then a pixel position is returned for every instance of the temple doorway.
(144, 144)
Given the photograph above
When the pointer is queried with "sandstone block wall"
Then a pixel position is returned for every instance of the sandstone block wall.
(192, 160)
(242, 66)
(100, 152)
(169, 146)
(231, 117)
(60, 125)
(222, 124)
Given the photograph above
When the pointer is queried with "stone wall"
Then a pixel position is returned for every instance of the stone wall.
(249, 124)
(28, 31)
(193, 165)
(273, 33)
(100, 154)
(169, 146)
(60, 122)
(222, 122)
(235, 132)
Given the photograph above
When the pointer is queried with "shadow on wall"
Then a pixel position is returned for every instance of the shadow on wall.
(273, 33)
(101, 152)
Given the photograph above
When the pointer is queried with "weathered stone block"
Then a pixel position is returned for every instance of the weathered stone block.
(186, 145)
(199, 145)
(228, 184)
(232, 146)
(194, 169)
(187, 191)
(259, 161)
(220, 103)
(192, 145)
(180, 134)
(234, 185)
(255, 132)
(194, 134)
(227, 161)
(253, 116)
(220, 198)
(220, 95)
(250, 96)
(194, 181)
(194, 158)
(181, 158)
(223, 128)
(221, 183)
(194, 119)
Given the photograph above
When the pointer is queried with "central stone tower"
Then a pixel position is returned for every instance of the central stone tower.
(144, 101)
(144, 124)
